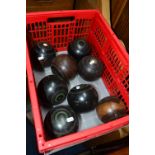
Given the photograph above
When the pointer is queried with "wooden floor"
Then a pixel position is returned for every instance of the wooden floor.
(122, 151)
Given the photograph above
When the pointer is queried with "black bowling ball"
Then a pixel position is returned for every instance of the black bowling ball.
(79, 48)
(42, 54)
(52, 90)
(83, 98)
(90, 68)
(61, 121)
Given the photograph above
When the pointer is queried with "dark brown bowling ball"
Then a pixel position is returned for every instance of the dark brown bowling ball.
(61, 121)
(52, 90)
(110, 108)
(79, 48)
(42, 54)
(65, 66)
(83, 98)
(90, 68)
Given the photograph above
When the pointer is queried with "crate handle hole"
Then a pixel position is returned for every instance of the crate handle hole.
(60, 19)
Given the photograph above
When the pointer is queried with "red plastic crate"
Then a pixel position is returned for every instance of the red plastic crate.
(59, 28)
